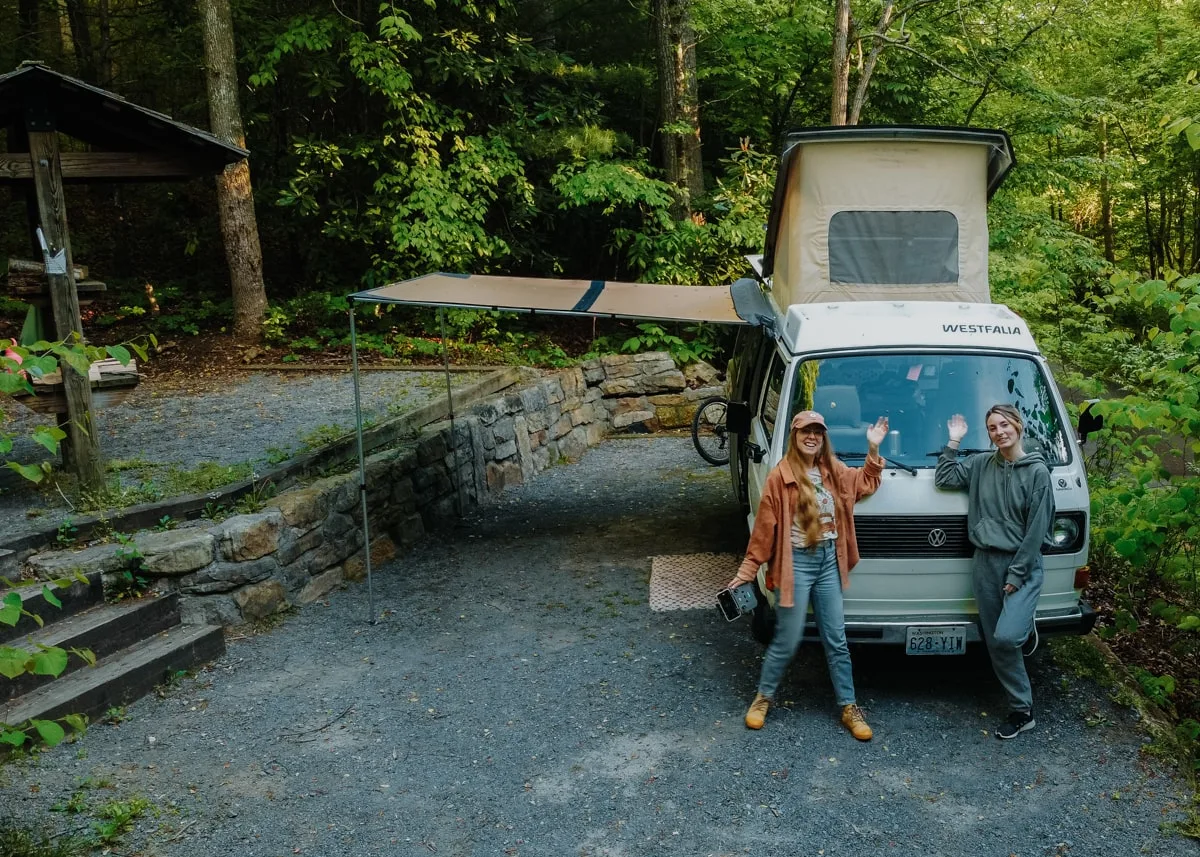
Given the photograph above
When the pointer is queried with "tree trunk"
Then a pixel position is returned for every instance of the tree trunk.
(872, 59)
(679, 100)
(1162, 238)
(841, 63)
(28, 47)
(1151, 255)
(1106, 218)
(235, 199)
(1196, 222)
(103, 60)
(81, 39)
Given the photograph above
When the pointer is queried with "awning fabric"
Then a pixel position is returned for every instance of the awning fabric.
(649, 301)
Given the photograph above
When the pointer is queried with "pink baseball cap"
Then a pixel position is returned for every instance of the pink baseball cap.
(807, 418)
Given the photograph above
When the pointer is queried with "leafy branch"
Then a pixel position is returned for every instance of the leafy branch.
(21, 365)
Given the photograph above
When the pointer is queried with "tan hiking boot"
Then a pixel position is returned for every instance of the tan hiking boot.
(757, 713)
(852, 719)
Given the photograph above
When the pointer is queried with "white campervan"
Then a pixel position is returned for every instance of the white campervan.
(873, 300)
(870, 298)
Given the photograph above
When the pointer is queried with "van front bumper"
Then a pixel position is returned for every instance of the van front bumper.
(1079, 620)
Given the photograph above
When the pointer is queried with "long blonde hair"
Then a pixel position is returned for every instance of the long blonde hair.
(807, 515)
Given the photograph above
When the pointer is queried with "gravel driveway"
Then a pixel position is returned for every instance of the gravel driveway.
(518, 697)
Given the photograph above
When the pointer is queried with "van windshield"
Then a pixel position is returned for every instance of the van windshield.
(918, 393)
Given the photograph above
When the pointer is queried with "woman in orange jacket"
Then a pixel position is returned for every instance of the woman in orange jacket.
(804, 532)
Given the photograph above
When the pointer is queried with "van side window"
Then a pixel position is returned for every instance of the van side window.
(772, 392)
(893, 247)
(752, 350)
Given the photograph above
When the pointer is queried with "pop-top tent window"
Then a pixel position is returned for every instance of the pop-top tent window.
(893, 247)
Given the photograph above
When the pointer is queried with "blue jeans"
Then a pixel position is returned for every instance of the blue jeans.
(818, 581)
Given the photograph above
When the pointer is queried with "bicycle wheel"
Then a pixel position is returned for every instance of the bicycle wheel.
(709, 434)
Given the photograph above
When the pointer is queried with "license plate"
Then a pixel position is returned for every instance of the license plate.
(936, 640)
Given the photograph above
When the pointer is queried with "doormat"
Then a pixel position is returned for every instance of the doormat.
(690, 581)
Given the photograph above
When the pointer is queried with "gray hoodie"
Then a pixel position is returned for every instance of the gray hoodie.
(1010, 505)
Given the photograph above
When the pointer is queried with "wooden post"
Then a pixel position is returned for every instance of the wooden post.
(52, 214)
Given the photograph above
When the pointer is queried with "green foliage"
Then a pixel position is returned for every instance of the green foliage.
(67, 532)
(115, 818)
(19, 840)
(216, 512)
(278, 455)
(156, 480)
(1158, 689)
(690, 344)
(323, 435)
(1145, 508)
(127, 581)
(110, 819)
(420, 188)
(19, 365)
(255, 500)
(709, 247)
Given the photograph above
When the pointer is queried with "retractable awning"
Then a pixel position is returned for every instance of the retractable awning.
(741, 303)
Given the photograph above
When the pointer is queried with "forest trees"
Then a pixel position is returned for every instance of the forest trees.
(545, 136)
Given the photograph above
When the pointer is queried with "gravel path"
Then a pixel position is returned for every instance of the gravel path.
(255, 418)
(518, 697)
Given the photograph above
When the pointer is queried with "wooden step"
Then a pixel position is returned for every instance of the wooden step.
(120, 678)
(77, 597)
(105, 629)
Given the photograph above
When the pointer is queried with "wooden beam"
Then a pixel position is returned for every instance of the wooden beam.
(52, 213)
(28, 266)
(31, 285)
(106, 166)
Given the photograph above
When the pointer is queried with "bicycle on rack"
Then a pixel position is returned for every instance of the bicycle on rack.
(709, 434)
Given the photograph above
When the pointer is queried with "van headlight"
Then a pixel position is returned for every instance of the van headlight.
(1067, 533)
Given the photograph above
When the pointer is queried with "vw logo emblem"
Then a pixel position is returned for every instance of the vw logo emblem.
(937, 537)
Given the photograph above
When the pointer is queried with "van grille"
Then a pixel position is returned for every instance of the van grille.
(940, 536)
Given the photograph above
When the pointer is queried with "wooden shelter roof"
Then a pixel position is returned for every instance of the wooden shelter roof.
(128, 141)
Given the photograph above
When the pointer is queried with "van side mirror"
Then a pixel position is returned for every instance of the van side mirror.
(737, 418)
(1089, 420)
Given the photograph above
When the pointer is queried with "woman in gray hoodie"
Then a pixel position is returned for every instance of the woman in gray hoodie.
(1010, 509)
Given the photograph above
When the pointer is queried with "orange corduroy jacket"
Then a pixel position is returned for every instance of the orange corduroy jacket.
(771, 538)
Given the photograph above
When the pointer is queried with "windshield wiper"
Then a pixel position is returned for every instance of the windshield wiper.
(968, 451)
(860, 456)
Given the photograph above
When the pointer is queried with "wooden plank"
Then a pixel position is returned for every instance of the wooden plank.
(104, 395)
(103, 373)
(21, 285)
(28, 266)
(102, 166)
(83, 453)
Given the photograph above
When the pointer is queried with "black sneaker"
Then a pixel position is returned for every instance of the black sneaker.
(1031, 642)
(1016, 723)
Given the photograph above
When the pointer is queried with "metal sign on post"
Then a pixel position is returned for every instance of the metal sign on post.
(55, 263)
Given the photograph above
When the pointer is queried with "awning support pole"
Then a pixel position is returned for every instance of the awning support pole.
(456, 479)
(362, 471)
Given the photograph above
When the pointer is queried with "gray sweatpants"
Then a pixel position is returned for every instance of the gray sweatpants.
(1006, 621)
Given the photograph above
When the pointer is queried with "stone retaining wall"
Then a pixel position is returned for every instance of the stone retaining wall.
(307, 540)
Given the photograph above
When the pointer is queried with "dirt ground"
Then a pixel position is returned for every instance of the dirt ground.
(517, 696)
